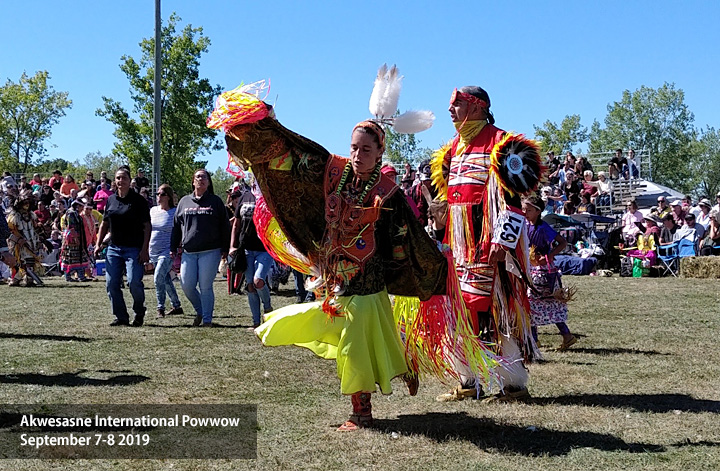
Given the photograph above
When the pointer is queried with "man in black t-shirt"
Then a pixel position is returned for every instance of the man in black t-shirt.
(617, 166)
(553, 165)
(667, 233)
(126, 219)
(141, 181)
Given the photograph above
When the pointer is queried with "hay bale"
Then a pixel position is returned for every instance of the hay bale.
(700, 267)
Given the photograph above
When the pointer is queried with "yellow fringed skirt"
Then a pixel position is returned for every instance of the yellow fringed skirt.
(364, 341)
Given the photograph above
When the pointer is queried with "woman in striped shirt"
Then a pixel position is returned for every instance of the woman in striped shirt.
(161, 218)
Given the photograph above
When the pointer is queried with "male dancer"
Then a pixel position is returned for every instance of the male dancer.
(486, 230)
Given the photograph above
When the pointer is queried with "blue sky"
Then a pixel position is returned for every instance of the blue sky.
(537, 60)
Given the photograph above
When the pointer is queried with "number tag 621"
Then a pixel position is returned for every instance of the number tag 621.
(508, 228)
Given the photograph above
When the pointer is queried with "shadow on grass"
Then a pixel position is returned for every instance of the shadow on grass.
(689, 443)
(545, 361)
(505, 438)
(73, 286)
(284, 293)
(71, 379)
(615, 351)
(59, 338)
(658, 403)
(190, 326)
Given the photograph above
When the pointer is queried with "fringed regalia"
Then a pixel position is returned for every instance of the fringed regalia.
(359, 244)
(22, 225)
(488, 170)
(74, 253)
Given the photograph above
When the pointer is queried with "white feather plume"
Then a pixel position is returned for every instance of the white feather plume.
(386, 92)
(391, 96)
(378, 91)
(412, 122)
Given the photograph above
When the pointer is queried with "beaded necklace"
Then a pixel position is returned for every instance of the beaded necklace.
(369, 184)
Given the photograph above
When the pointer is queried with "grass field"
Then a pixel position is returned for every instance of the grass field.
(639, 391)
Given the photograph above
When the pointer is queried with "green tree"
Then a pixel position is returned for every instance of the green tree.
(401, 148)
(657, 121)
(705, 164)
(561, 139)
(187, 100)
(28, 111)
(222, 181)
(97, 162)
(7, 162)
(46, 168)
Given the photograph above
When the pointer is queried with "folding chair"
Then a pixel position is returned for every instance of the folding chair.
(51, 263)
(687, 248)
(668, 255)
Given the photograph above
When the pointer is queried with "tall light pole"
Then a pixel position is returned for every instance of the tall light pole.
(157, 134)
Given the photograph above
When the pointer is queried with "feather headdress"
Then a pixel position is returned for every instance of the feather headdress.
(384, 104)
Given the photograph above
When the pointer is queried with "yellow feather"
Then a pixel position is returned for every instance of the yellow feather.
(436, 164)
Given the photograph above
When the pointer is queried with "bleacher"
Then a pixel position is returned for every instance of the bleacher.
(622, 192)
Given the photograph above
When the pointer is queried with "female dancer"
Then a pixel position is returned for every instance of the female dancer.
(548, 304)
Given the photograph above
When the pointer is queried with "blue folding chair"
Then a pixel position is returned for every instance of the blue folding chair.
(670, 255)
(686, 248)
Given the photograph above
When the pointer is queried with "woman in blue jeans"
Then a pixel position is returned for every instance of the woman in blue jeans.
(161, 217)
(259, 262)
(201, 229)
(127, 218)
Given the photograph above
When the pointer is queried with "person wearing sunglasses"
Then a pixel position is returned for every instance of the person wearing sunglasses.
(161, 218)
(663, 208)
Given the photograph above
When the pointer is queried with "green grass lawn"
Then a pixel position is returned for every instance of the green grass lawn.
(639, 391)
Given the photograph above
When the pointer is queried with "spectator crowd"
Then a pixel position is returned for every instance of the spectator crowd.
(53, 221)
(573, 187)
(50, 226)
